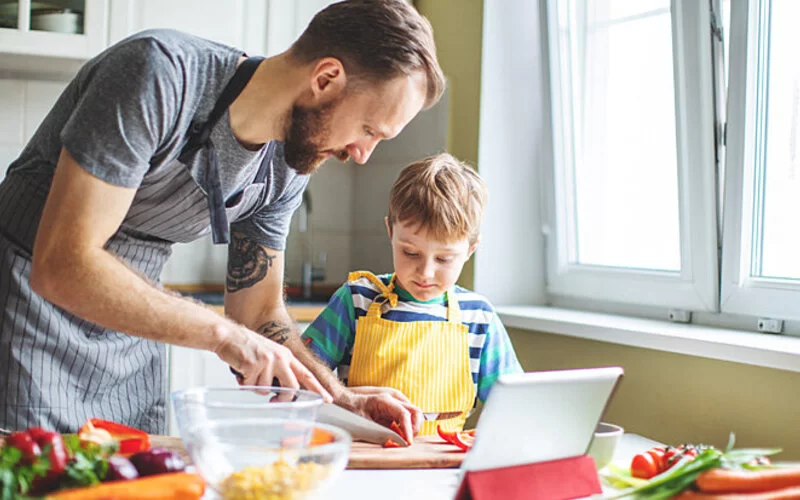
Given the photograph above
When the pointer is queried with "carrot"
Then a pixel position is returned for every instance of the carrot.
(177, 485)
(741, 481)
(792, 493)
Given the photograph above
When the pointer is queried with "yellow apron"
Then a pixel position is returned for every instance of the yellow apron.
(427, 360)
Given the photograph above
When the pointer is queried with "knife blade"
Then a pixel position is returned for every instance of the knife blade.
(362, 429)
(445, 415)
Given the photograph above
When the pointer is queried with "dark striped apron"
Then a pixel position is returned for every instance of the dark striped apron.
(56, 369)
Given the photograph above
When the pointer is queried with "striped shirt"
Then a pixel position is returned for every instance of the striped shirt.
(332, 335)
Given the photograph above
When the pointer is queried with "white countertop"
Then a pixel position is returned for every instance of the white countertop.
(434, 484)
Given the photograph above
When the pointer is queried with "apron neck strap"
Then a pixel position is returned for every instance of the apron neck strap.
(385, 292)
(200, 136)
(453, 309)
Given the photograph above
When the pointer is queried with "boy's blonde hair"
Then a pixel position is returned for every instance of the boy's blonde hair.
(441, 194)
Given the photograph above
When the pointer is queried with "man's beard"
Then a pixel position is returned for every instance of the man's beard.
(308, 126)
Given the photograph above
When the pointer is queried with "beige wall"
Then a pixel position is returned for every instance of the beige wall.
(457, 26)
(675, 398)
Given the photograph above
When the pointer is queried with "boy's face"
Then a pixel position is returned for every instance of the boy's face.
(425, 267)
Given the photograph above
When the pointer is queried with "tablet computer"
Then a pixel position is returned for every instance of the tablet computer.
(541, 416)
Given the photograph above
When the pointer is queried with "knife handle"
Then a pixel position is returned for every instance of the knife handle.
(240, 377)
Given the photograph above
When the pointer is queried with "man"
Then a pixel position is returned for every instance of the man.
(163, 138)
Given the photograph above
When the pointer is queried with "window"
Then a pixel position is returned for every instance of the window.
(631, 213)
(667, 169)
(761, 268)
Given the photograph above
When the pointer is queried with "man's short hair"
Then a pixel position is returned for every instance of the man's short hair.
(440, 194)
(376, 40)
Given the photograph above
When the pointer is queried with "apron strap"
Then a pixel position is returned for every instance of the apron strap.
(453, 309)
(200, 136)
(385, 291)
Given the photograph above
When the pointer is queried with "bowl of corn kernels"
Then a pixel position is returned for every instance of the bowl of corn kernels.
(268, 459)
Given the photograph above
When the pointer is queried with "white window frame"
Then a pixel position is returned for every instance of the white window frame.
(741, 292)
(696, 286)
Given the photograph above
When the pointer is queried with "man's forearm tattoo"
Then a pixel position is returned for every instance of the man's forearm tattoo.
(275, 331)
(248, 263)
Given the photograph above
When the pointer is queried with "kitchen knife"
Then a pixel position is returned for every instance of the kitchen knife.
(441, 415)
(360, 428)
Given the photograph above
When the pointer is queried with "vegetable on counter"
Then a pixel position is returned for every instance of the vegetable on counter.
(462, 439)
(782, 494)
(36, 462)
(157, 461)
(131, 440)
(745, 480)
(177, 485)
(733, 474)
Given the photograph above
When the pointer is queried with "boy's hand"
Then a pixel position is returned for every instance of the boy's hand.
(385, 405)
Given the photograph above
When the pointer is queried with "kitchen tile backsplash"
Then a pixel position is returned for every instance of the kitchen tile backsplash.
(348, 201)
(23, 106)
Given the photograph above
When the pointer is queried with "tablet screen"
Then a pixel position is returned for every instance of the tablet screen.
(540, 416)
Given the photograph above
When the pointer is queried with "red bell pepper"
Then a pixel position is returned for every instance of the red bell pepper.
(462, 439)
(130, 440)
(391, 444)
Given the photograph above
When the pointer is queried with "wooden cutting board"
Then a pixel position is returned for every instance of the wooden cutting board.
(427, 452)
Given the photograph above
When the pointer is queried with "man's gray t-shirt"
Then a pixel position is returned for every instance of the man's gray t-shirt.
(125, 119)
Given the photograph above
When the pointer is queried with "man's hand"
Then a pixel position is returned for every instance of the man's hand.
(384, 405)
(258, 360)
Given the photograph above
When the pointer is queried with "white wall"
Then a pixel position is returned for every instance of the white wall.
(23, 105)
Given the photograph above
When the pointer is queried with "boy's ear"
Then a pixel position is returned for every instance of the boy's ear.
(473, 247)
(388, 227)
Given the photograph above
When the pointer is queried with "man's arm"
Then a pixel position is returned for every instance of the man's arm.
(254, 297)
(72, 269)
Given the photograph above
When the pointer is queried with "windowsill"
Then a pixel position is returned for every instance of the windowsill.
(758, 349)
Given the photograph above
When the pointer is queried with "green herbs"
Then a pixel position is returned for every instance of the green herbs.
(16, 478)
(20, 476)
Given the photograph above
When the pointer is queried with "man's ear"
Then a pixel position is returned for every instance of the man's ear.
(328, 79)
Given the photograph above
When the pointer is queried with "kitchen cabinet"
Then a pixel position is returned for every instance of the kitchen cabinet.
(72, 29)
(30, 41)
(241, 23)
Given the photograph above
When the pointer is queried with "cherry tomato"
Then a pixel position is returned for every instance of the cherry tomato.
(659, 458)
(25, 443)
(644, 466)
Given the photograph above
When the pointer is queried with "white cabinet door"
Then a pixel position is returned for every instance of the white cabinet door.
(76, 31)
(240, 23)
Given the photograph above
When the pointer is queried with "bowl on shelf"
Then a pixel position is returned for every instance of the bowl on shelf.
(604, 443)
(267, 458)
(200, 405)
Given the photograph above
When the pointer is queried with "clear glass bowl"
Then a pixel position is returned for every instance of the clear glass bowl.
(268, 458)
(201, 405)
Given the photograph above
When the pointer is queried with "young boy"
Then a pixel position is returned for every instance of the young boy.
(415, 330)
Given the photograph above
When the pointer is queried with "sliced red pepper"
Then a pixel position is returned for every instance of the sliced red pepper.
(448, 436)
(391, 444)
(396, 428)
(462, 439)
(130, 440)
